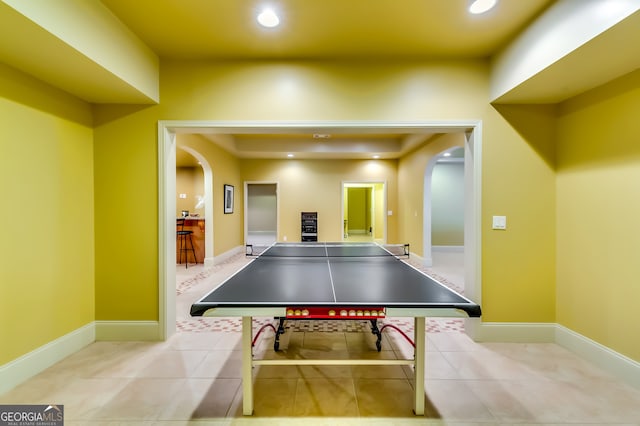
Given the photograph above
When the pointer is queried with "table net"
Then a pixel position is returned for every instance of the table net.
(297, 250)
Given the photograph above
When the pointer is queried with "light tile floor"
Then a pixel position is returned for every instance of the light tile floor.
(194, 378)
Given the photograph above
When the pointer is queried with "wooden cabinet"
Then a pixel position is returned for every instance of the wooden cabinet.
(195, 225)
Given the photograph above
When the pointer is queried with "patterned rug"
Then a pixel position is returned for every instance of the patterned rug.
(233, 324)
(199, 278)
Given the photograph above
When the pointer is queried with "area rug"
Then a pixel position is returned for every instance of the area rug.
(234, 325)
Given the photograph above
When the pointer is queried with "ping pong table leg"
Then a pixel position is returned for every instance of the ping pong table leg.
(247, 366)
(418, 368)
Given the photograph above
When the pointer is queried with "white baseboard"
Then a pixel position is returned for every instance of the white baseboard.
(32, 363)
(614, 363)
(427, 262)
(358, 231)
(610, 361)
(128, 330)
(416, 257)
(223, 257)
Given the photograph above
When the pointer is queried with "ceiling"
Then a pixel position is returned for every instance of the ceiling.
(322, 29)
(310, 29)
(367, 145)
(329, 143)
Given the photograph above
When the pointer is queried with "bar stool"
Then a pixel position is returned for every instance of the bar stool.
(184, 237)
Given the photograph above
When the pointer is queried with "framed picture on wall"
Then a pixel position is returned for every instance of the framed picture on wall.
(228, 199)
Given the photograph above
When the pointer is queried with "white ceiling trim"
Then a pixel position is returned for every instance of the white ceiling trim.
(334, 127)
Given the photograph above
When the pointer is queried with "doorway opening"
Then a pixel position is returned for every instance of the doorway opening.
(200, 201)
(167, 131)
(261, 213)
(363, 207)
(444, 200)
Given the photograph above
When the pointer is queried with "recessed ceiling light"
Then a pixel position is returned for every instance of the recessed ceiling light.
(268, 18)
(481, 6)
(290, 155)
(375, 156)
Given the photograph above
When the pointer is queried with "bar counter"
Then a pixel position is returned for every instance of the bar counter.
(196, 225)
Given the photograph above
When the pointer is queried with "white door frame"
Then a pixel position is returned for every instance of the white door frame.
(366, 184)
(167, 130)
(246, 203)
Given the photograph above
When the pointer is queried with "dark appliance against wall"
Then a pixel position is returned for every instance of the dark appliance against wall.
(309, 226)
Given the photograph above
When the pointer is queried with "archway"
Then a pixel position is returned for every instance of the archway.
(208, 202)
(454, 155)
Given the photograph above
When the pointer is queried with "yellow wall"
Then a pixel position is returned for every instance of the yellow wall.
(189, 181)
(126, 213)
(411, 173)
(316, 185)
(46, 182)
(555, 201)
(330, 90)
(598, 215)
(518, 181)
(228, 229)
(358, 209)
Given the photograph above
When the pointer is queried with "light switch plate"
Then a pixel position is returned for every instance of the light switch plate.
(499, 222)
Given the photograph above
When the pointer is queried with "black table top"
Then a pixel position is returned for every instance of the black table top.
(289, 275)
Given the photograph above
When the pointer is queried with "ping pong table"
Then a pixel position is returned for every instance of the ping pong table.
(334, 281)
